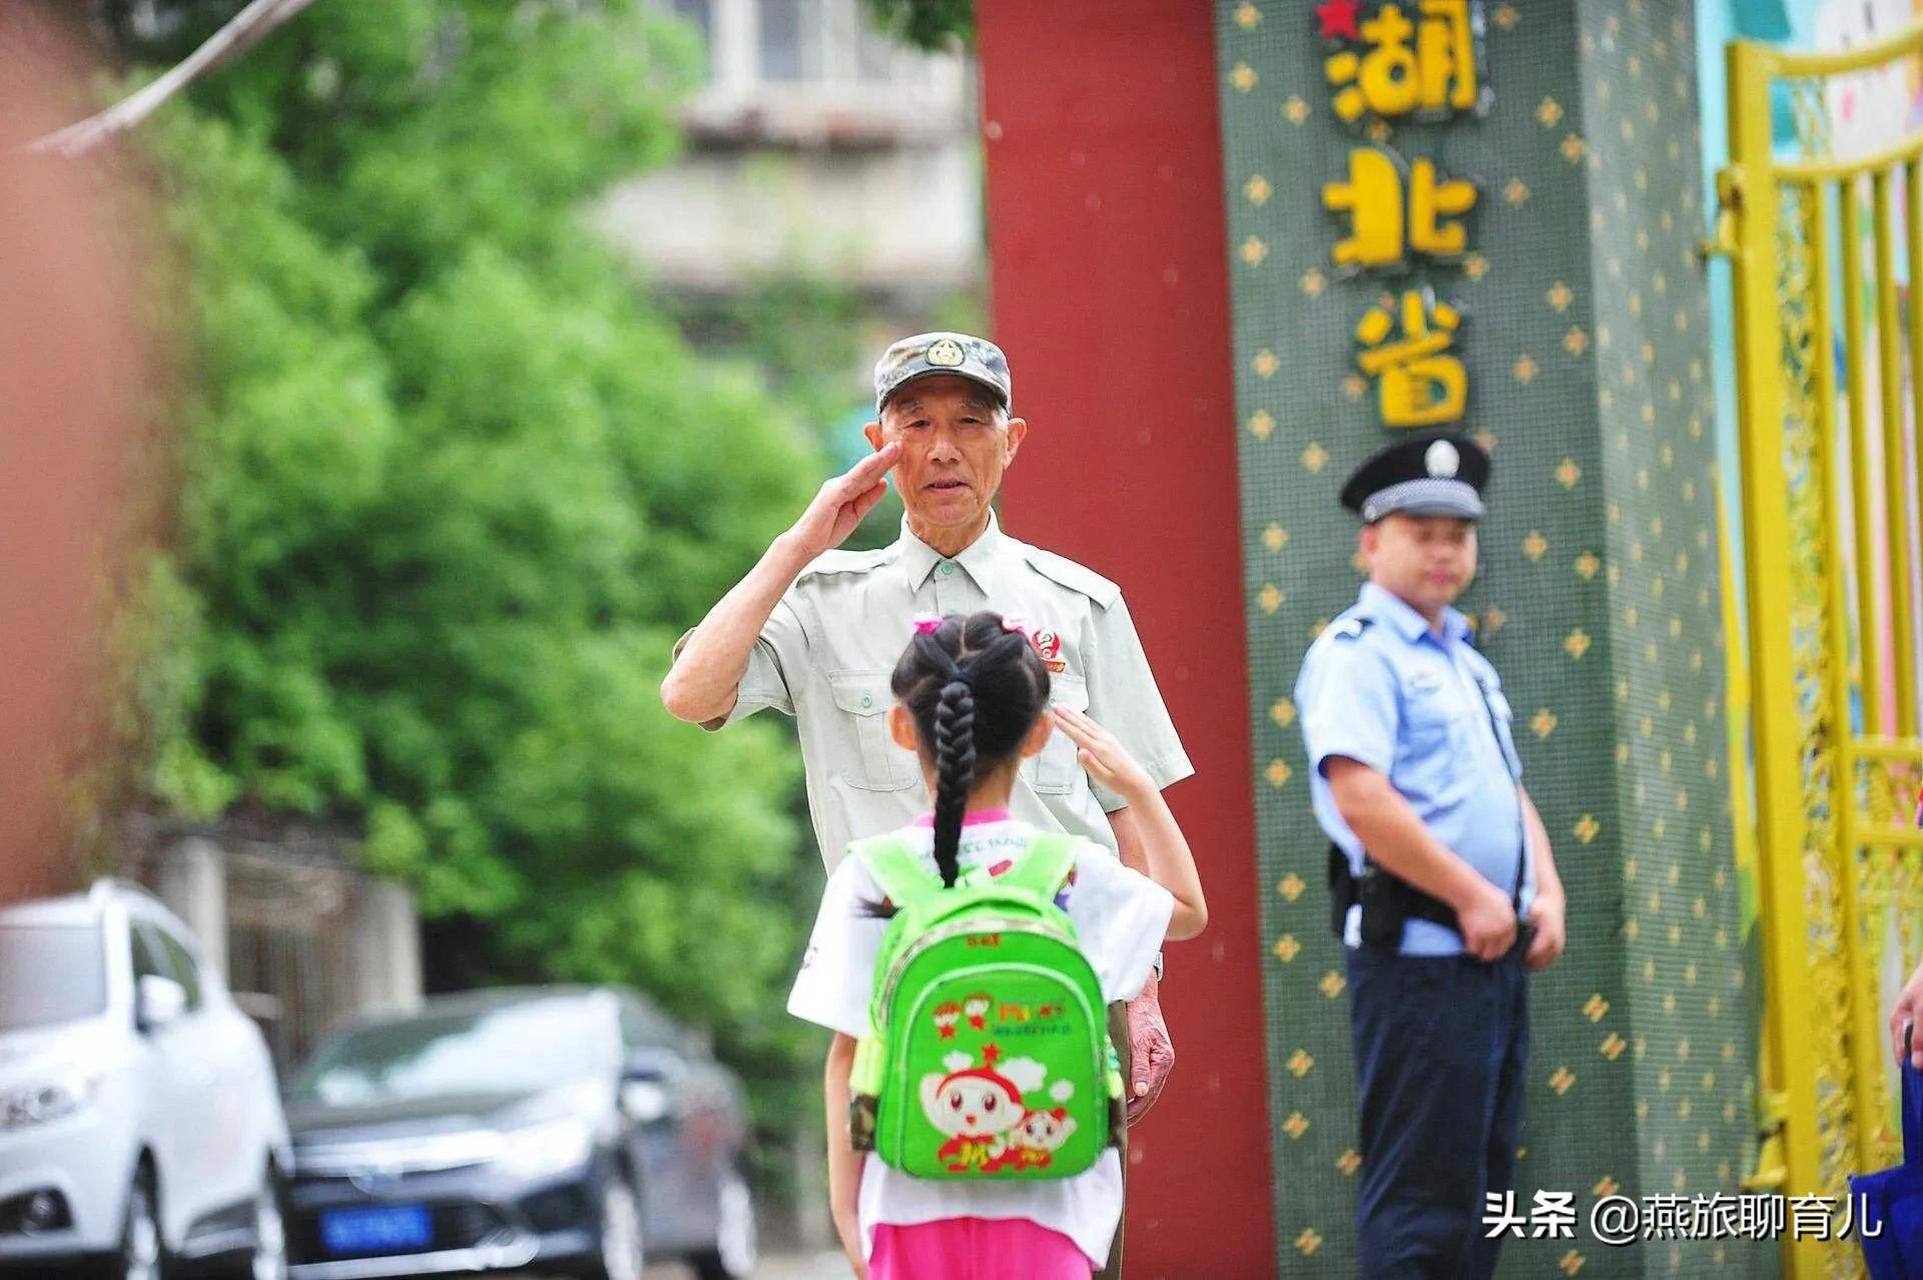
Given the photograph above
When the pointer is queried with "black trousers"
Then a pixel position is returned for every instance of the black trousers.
(1441, 1048)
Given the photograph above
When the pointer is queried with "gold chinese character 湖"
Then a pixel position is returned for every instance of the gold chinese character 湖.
(1384, 227)
(1418, 383)
(1428, 66)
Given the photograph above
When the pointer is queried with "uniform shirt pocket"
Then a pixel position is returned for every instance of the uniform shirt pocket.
(1433, 716)
(869, 758)
(1056, 771)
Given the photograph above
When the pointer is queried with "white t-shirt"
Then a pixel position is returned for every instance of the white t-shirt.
(1120, 918)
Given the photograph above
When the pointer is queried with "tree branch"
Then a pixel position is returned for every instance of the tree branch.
(242, 32)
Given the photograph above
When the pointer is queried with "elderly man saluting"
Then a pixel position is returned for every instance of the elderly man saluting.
(815, 632)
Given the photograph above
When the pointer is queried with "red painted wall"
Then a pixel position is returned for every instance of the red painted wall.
(1110, 294)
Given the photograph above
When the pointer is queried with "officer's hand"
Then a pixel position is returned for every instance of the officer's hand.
(1909, 1009)
(1106, 759)
(1546, 918)
(842, 502)
(1488, 924)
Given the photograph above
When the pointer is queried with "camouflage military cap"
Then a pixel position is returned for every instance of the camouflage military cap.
(976, 359)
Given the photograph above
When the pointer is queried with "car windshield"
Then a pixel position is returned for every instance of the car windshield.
(50, 974)
(516, 1048)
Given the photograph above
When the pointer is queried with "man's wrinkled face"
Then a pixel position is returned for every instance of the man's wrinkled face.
(1426, 560)
(956, 441)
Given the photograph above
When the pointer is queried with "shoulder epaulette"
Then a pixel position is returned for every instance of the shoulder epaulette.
(1065, 572)
(1349, 628)
(829, 562)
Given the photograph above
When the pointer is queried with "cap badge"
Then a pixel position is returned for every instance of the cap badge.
(947, 353)
(1442, 460)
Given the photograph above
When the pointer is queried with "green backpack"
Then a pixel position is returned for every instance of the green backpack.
(987, 1054)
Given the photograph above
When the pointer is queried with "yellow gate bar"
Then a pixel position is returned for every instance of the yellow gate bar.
(1913, 226)
(1812, 199)
(1896, 488)
(1869, 673)
(1781, 824)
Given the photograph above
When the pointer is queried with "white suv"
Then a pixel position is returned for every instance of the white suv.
(140, 1123)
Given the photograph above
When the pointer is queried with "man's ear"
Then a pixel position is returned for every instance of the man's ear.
(1017, 432)
(901, 728)
(874, 436)
(1037, 736)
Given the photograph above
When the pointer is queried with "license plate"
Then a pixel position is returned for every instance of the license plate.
(381, 1229)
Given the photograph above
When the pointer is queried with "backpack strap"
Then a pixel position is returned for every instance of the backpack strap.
(1045, 865)
(896, 867)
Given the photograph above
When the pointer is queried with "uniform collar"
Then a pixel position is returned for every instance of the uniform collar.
(920, 559)
(1387, 607)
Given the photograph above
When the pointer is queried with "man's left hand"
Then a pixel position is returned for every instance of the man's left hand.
(1151, 1054)
(1546, 916)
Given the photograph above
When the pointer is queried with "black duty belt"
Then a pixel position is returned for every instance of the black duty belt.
(1388, 902)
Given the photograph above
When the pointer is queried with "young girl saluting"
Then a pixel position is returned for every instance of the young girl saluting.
(972, 703)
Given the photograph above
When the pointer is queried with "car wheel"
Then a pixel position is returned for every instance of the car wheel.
(268, 1259)
(140, 1256)
(736, 1244)
(620, 1234)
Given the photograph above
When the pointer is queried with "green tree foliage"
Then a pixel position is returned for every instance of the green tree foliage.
(925, 24)
(449, 488)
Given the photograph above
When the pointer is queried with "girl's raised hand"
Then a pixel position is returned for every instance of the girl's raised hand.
(1106, 759)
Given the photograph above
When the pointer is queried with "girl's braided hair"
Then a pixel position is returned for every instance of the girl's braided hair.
(975, 689)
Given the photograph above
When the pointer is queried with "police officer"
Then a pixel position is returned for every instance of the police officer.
(815, 633)
(1437, 855)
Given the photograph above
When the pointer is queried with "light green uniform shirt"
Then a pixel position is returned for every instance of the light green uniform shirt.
(827, 651)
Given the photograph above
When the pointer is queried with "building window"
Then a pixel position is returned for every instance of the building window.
(700, 14)
(789, 36)
(815, 71)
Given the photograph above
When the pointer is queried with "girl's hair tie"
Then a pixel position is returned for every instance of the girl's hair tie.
(927, 624)
(1015, 625)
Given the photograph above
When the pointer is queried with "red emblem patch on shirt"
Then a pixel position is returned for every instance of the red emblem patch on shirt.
(1048, 644)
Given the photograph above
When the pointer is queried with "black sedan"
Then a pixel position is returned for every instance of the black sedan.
(568, 1130)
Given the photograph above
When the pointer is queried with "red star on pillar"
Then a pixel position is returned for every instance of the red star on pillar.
(1338, 18)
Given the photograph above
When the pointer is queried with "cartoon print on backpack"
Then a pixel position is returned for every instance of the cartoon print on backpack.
(1034, 1142)
(975, 1107)
(976, 1008)
(947, 1014)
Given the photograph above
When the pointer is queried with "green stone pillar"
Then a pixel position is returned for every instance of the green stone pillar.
(1569, 330)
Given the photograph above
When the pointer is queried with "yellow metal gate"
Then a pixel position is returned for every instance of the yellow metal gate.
(1829, 334)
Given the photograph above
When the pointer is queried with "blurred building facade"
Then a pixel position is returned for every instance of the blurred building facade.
(305, 938)
(815, 148)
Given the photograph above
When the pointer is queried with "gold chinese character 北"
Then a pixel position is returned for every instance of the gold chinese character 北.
(1381, 233)
(1427, 66)
(1418, 383)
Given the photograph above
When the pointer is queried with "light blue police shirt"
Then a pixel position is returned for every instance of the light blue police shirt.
(1426, 711)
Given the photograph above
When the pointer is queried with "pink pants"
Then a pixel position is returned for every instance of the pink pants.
(975, 1249)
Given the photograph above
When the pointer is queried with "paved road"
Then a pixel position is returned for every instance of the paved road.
(821, 1266)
